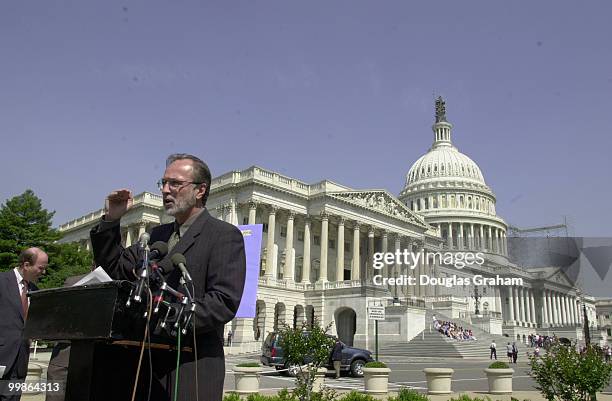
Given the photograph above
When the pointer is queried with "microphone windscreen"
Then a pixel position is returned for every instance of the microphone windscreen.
(144, 239)
(161, 247)
(178, 258)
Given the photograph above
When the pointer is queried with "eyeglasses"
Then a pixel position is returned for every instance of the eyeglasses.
(174, 185)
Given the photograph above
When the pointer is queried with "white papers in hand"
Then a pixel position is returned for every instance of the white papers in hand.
(96, 276)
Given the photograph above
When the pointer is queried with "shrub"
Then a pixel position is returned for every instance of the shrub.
(409, 395)
(499, 365)
(248, 365)
(261, 397)
(285, 395)
(566, 375)
(309, 352)
(376, 364)
(355, 396)
(231, 397)
(465, 397)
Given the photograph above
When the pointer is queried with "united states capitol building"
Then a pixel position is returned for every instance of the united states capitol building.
(319, 242)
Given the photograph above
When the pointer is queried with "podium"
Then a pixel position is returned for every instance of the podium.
(105, 337)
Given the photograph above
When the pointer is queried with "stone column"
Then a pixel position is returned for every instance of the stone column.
(386, 271)
(450, 235)
(511, 305)
(252, 212)
(233, 214)
(551, 308)
(521, 299)
(397, 270)
(534, 319)
(270, 265)
(306, 256)
(340, 254)
(490, 239)
(471, 239)
(573, 306)
(420, 290)
(557, 309)
(355, 273)
(369, 269)
(498, 300)
(544, 308)
(460, 237)
(505, 243)
(481, 242)
(289, 262)
(128, 236)
(527, 308)
(563, 310)
(324, 246)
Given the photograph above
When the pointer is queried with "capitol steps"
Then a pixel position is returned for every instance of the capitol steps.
(432, 343)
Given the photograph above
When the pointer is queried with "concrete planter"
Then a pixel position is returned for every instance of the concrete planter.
(376, 380)
(438, 380)
(500, 380)
(246, 379)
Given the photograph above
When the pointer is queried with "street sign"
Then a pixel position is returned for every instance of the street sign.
(376, 312)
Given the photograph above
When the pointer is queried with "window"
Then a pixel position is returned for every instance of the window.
(347, 247)
(301, 236)
(245, 221)
(283, 232)
(265, 227)
(332, 244)
(317, 240)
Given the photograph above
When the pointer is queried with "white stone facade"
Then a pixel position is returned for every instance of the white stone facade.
(319, 240)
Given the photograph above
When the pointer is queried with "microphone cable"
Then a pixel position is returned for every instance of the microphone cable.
(144, 337)
(195, 347)
(178, 362)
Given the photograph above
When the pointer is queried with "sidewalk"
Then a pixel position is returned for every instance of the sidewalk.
(520, 395)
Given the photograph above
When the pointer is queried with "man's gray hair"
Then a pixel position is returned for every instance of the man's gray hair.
(201, 172)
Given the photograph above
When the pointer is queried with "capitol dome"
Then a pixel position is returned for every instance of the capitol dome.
(444, 162)
(448, 189)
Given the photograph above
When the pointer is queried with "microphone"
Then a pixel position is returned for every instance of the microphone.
(159, 249)
(179, 261)
(144, 239)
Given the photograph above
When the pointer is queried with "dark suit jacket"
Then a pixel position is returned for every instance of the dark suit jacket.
(215, 256)
(14, 348)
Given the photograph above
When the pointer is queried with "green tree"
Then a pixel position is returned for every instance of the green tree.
(308, 347)
(25, 223)
(564, 374)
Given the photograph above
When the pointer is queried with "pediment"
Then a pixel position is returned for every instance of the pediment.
(559, 277)
(380, 201)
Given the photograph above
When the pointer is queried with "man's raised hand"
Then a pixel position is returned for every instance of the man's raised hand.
(118, 203)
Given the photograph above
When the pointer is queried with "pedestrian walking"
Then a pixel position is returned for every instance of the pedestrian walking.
(493, 348)
(514, 352)
(337, 357)
(509, 352)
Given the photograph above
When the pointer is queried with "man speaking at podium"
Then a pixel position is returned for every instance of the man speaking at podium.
(214, 251)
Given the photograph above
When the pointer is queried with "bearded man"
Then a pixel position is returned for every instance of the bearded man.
(215, 256)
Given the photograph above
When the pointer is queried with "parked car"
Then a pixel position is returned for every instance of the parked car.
(353, 359)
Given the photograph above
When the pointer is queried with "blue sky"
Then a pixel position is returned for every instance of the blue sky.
(95, 95)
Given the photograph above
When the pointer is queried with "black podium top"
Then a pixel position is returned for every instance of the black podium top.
(89, 312)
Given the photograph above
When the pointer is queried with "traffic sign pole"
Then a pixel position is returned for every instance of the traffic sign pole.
(376, 337)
